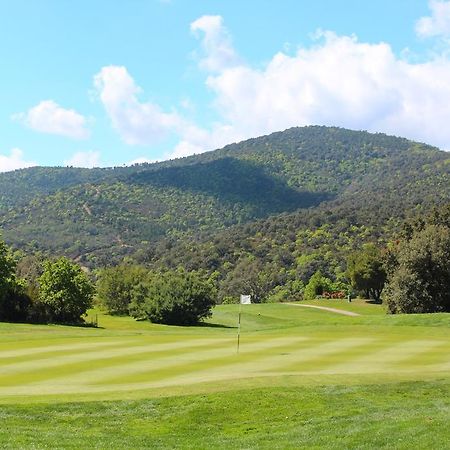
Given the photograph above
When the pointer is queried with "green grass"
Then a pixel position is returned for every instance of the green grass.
(402, 415)
(303, 377)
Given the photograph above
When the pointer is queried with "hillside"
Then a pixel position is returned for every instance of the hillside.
(299, 179)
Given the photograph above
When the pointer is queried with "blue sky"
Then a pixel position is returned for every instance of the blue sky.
(91, 83)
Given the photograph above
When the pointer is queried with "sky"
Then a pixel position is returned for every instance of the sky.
(107, 83)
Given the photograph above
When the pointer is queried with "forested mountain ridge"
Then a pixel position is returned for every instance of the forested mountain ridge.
(100, 215)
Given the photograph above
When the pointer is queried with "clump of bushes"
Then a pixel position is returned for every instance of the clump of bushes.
(173, 297)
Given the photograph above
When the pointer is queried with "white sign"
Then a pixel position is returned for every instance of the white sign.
(246, 299)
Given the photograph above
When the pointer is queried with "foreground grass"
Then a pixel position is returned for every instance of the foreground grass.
(303, 378)
(392, 416)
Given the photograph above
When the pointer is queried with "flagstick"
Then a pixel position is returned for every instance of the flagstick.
(239, 327)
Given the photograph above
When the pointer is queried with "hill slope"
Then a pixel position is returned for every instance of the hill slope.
(101, 214)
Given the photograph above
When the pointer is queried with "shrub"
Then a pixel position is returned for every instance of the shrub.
(173, 298)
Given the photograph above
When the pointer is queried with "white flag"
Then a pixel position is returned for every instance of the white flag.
(246, 299)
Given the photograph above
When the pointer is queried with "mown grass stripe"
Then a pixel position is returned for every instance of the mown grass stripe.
(219, 359)
(70, 369)
(50, 362)
(61, 353)
(336, 350)
(440, 354)
(123, 370)
(384, 360)
(267, 365)
(263, 366)
(55, 348)
(271, 365)
(65, 386)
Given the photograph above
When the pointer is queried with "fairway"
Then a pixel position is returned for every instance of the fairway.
(303, 378)
(281, 344)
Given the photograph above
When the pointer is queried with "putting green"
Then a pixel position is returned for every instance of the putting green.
(280, 345)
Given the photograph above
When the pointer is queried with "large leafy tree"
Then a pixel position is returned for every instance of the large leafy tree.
(115, 286)
(419, 272)
(366, 271)
(173, 298)
(250, 276)
(65, 291)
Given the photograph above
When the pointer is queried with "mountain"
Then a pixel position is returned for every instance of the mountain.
(298, 179)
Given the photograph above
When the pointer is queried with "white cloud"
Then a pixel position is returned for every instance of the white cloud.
(14, 161)
(84, 159)
(217, 46)
(49, 117)
(144, 123)
(336, 81)
(137, 123)
(438, 24)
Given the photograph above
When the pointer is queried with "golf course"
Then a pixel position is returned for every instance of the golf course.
(302, 377)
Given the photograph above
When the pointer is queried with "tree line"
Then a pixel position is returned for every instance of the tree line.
(411, 274)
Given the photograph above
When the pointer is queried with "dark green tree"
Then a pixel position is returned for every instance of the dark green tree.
(65, 291)
(366, 271)
(7, 270)
(251, 277)
(14, 303)
(115, 286)
(419, 272)
(173, 298)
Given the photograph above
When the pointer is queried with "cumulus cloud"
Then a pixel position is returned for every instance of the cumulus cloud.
(336, 81)
(218, 51)
(138, 123)
(438, 23)
(15, 160)
(144, 123)
(49, 117)
(87, 159)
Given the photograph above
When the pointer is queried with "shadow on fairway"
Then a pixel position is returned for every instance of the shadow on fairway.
(214, 325)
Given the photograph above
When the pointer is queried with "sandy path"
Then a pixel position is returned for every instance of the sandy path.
(325, 308)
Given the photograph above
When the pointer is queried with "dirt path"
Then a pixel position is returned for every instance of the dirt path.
(325, 308)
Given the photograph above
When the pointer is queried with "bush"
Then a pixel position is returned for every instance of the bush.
(317, 285)
(229, 300)
(16, 305)
(173, 298)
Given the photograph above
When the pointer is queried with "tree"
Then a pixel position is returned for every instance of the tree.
(65, 291)
(366, 272)
(317, 285)
(14, 303)
(419, 272)
(7, 270)
(250, 276)
(173, 298)
(115, 286)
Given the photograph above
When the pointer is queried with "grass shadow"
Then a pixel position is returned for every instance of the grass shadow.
(215, 325)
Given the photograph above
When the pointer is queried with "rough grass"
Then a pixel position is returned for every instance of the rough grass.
(302, 378)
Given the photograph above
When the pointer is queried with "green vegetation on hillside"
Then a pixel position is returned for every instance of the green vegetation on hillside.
(299, 180)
